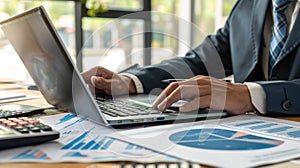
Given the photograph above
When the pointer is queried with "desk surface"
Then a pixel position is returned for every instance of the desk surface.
(42, 103)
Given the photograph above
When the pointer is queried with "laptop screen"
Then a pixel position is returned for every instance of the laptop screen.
(41, 50)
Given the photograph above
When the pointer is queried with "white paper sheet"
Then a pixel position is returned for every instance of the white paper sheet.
(240, 141)
(81, 141)
(6, 97)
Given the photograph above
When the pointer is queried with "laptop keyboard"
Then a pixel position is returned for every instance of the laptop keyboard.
(123, 108)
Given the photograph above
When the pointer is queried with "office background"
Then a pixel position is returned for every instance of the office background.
(100, 39)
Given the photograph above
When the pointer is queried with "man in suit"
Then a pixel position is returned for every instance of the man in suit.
(259, 45)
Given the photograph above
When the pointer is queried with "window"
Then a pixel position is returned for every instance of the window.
(125, 5)
(180, 25)
(116, 39)
(112, 43)
(124, 39)
(62, 15)
(210, 15)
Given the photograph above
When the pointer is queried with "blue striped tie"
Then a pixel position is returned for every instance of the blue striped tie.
(279, 30)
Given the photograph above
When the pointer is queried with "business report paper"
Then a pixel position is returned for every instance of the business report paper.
(240, 141)
(81, 141)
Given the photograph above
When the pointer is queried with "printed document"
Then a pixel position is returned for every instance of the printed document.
(239, 141)
(82, 141)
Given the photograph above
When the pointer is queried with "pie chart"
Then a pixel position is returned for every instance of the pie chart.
(222, 139)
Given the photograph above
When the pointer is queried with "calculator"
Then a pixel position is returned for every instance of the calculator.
(18, 110)
(22, 131)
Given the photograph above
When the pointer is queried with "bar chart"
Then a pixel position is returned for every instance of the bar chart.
(65, 118)
(270, 128)
(32, 154)
(131, 146)
(79, 120)
(83, 142)
(103, 156)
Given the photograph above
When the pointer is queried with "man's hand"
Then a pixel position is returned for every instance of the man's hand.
(206, 92)
(101, 80)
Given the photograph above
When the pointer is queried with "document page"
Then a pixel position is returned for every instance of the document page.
(82, 141)
(239, 141)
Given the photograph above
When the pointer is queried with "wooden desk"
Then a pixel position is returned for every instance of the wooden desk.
(42, 103)
(58, 165)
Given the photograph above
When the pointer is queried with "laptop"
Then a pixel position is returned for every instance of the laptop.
(44, 55)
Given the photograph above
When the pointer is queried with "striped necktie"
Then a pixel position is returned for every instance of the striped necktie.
(279, 29)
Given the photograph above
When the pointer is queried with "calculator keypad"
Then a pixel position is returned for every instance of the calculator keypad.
(25, 125)
(23, 131)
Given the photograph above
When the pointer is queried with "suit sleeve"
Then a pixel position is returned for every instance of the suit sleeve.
(282, 96)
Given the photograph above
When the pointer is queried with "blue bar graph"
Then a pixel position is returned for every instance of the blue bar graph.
(139, 147)
(271, 128)
(294, 134)
(107, 144)
(75, 154)
(262, 126)
(82, 143)
(74, 123)
(129, 146)
(98, 145)
(76, 147)
(32, 154)
(279, 129)
(249, 123)
(88, 145)
(66, 118)
(75, 141)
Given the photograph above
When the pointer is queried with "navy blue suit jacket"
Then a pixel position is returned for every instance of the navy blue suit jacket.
(237, 49)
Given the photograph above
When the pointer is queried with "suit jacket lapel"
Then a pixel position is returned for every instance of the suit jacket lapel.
(293, 40)
(258, 20)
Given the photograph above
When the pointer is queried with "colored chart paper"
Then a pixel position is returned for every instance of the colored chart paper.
(222, 139)
(239, 141)
(81, 141)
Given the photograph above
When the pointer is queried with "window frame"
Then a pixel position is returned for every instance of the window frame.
(81, 11)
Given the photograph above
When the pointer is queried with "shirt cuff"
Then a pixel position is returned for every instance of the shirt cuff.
(138, 84)
(258, 96)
